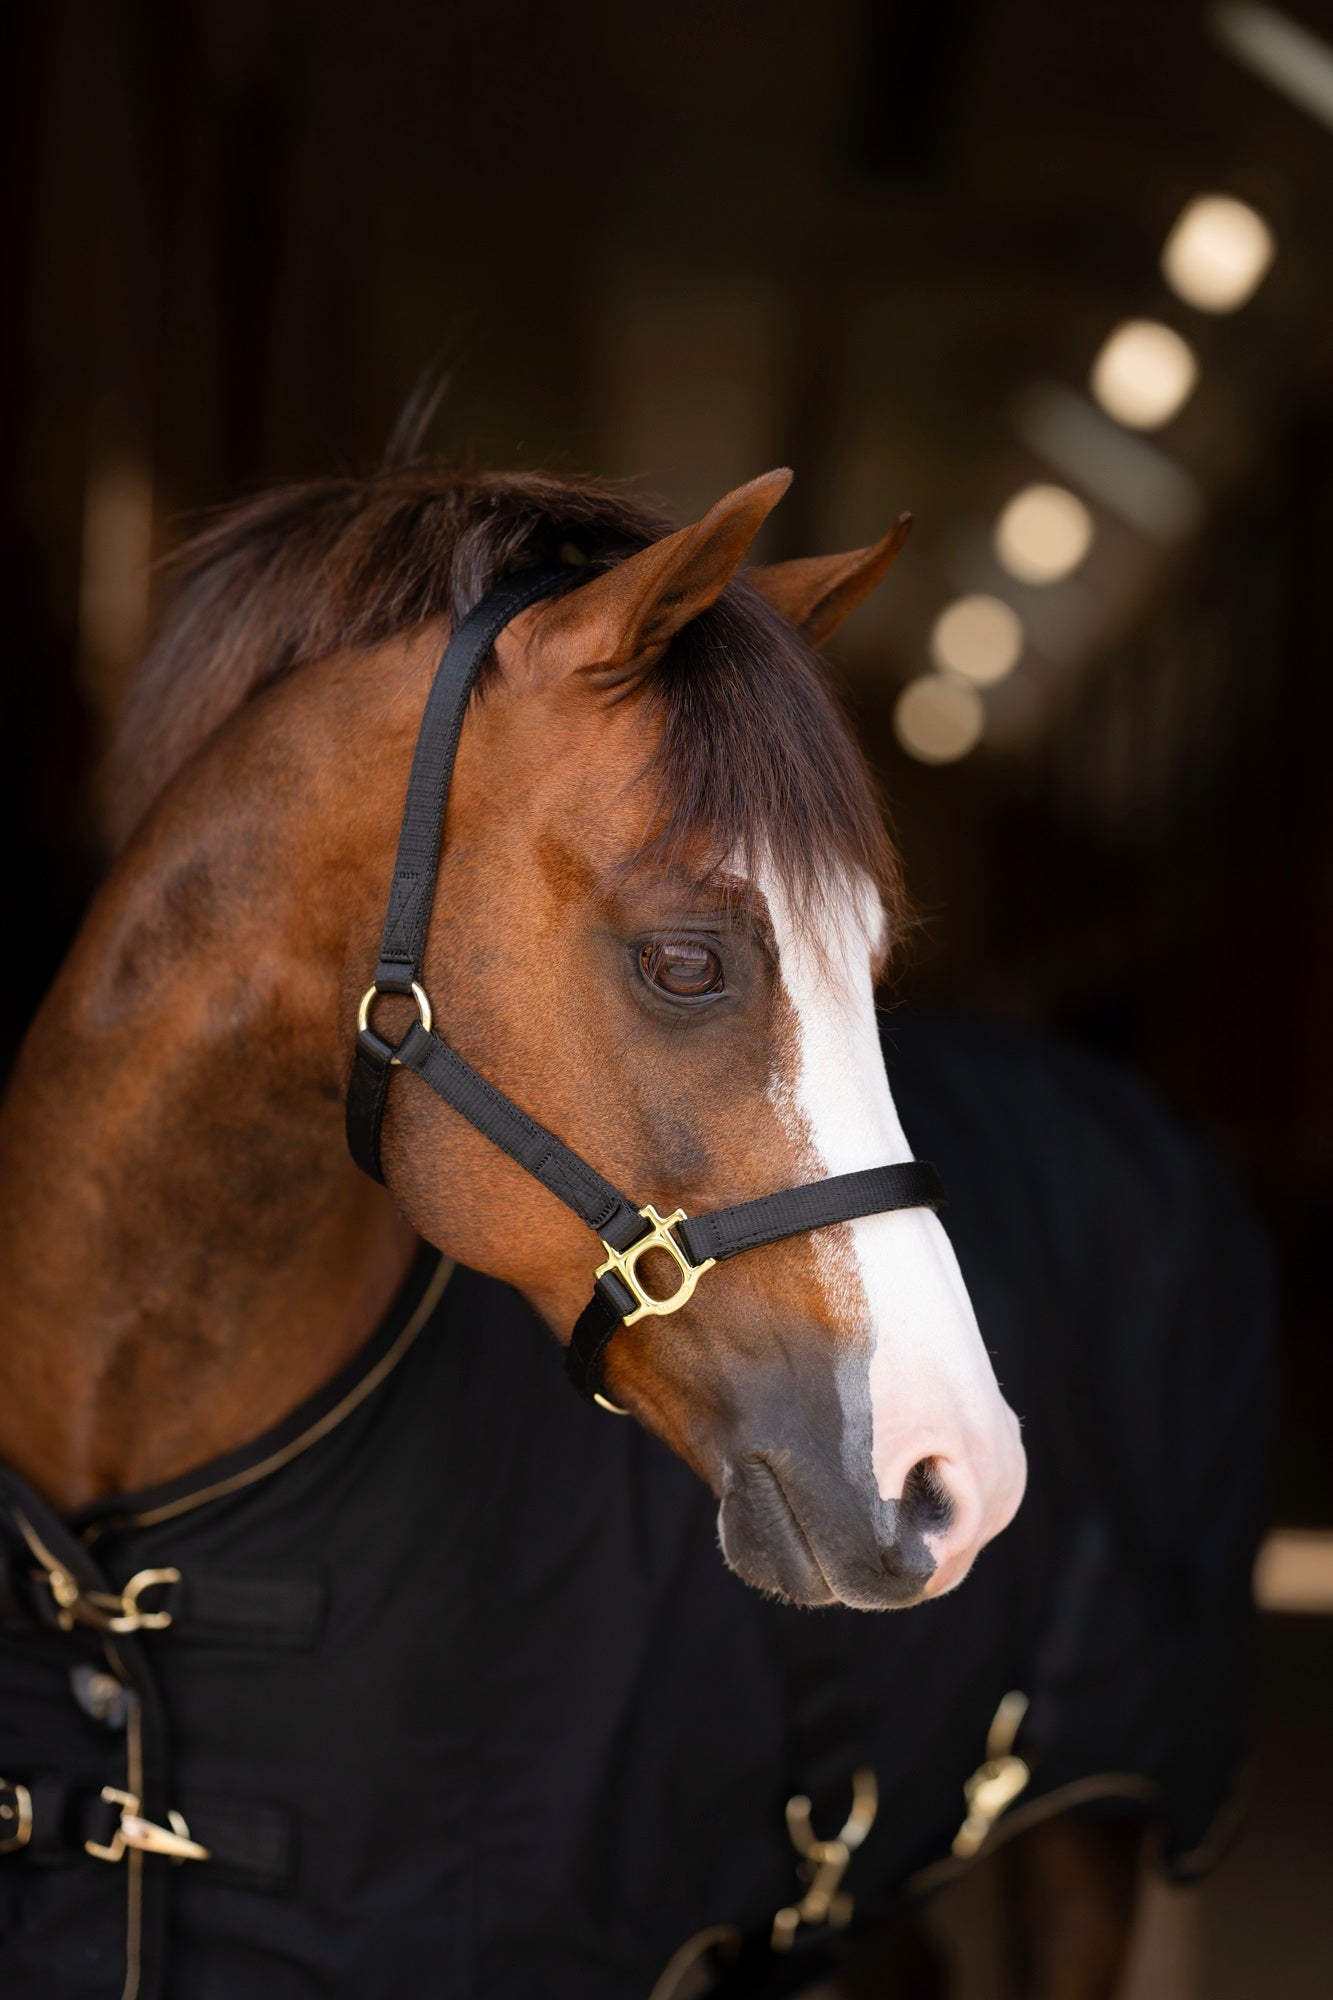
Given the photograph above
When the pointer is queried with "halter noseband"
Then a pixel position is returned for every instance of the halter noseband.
(694, 1243)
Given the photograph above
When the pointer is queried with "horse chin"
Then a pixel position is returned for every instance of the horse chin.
(765, 1542)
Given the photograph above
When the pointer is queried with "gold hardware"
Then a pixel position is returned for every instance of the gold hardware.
(368, 1000)
(144, 1621)
(659, 1237)
(995, 1784)
(605, 1403)
(103, 1611)
(144, 1834)
(16, 1819)
(825, 1862)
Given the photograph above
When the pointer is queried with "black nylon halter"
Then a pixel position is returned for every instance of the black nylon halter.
(695, 1243)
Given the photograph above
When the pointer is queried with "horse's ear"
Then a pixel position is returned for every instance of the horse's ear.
(630, 614)
(817, 592)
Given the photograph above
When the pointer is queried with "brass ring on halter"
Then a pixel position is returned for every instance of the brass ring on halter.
(368, 1000)
(604, 1403)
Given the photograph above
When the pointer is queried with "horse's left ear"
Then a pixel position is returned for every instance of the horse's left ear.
(624, 619)
(817, 592)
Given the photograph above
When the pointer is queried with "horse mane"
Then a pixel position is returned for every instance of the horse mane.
(755, 754)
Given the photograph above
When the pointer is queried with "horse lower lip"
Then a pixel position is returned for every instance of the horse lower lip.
(765, 1541)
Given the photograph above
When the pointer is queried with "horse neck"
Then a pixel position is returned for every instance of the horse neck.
(186, 1249)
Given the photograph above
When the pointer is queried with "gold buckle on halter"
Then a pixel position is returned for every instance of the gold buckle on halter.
(825, 1862)
(135, 1831)
(659, 1237)
(368, 1000)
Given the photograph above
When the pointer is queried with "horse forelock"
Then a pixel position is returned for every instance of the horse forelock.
(753, 761)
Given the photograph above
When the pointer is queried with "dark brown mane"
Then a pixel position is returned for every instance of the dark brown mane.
(756, 756)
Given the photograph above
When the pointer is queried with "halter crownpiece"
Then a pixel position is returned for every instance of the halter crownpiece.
(693, 1243)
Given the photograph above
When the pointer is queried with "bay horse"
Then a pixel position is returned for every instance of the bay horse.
(665, 898)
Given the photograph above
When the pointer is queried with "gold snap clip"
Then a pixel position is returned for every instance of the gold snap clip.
(825, 1862)
(103, 1611)
(995, 1784)
(133, 1830)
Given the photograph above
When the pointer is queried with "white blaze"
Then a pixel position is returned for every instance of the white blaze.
(931, 1390)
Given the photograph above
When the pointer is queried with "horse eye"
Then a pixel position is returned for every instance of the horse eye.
(682, 966)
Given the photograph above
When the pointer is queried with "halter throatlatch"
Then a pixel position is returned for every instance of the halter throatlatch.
(693, 1243)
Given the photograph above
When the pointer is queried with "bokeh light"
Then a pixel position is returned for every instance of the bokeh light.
(980, 637)
(1144, 374)
(938, 719)
(1218, 253)
(1043, 534)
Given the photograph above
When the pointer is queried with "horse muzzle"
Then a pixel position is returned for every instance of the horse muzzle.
(816, 1539)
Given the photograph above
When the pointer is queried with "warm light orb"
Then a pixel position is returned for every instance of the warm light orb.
(1043, 534)
(938, 720)
(1218, 253)
(1144, 374)
(979, 637)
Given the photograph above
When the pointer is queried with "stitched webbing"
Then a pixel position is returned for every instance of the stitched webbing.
(547, 1158)
(843, 1197)
(416, 865)
(412, 892)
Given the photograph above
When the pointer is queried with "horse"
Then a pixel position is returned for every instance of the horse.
(201, 1020)
(665, 899)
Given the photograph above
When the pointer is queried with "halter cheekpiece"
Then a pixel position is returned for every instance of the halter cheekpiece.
(694, 1243)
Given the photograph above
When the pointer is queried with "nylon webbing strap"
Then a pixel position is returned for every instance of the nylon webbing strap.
(412, 891)
(417, 863)
(699, 1240)
(841, 1198)
(547, 1158)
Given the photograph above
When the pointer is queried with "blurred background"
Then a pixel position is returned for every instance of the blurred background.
(1056, 277)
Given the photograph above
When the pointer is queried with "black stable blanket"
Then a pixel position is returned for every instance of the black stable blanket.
(465, 1702)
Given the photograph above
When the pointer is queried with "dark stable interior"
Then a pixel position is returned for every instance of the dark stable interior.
(684, 247)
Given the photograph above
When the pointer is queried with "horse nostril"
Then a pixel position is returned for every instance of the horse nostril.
(927, 1506)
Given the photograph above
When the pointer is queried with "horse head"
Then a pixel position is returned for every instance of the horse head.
(664, 901)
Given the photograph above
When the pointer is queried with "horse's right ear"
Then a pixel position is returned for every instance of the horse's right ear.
(817, 592)
(626, 618)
